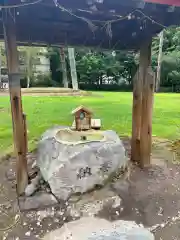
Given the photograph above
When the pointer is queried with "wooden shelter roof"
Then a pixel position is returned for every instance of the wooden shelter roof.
(168, 2)
(106, 24)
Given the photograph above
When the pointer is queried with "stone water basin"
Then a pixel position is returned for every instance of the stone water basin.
(75, 162)
(68, 136)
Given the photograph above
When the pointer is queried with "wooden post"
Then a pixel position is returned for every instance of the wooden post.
(25, 133)
(147, 103)
(137, 107)
(15, 98)
(143, 89)
(136, 117)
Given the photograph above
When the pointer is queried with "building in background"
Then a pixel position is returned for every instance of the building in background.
(43, 64)
(4, 83)
(36, 58)
(33, 61)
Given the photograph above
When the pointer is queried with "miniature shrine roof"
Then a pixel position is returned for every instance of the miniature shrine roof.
(115, 24)
(81, 108)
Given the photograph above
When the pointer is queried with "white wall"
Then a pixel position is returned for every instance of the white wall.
(44, 65)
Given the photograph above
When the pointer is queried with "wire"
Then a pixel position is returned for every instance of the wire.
(129, 16)
(120, 18)
(151, 19)
(107, 23)
(20, 5)
(89, 22)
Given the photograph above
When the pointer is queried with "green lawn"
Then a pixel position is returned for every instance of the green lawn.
(113, 108)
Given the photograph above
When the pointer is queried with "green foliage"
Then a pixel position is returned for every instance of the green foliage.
(56, 73)
(170, 70)
(95, 68)
(43, 80)
(105, 67)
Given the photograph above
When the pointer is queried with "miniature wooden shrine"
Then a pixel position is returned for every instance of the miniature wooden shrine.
(82, 119)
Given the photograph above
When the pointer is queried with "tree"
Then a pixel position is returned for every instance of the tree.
(158, 77)
(29, 66)
(169, 76)
(54, 58)
(105, 67)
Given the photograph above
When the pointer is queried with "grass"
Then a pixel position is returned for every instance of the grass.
(114, 109)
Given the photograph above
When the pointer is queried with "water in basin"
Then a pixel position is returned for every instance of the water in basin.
(69, 136)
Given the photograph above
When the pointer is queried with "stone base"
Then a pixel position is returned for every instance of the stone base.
(98, 229)
(73, 167)
(38, 201)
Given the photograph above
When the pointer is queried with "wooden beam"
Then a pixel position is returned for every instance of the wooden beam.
(15, 98)
(147, 103)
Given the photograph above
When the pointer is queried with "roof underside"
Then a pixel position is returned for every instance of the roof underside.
(105, 24)
(169, 2)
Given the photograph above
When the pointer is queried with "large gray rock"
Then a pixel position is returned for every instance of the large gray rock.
(100, 229)
(76, 167)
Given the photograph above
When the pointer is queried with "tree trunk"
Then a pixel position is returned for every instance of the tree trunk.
(28, 81)
(158, 76)
(72, 62)
(64, 69)
(101, 80)
(29, 66)
(0, 62)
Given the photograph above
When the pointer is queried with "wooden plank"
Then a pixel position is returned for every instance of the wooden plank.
(15, 98)
(147, 103)
(136, 117)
